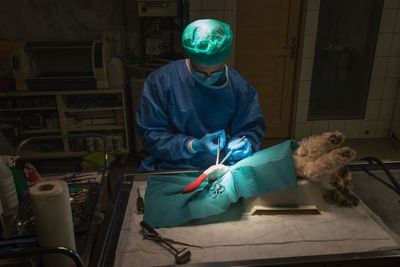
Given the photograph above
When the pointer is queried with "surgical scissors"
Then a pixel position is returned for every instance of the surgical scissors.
(217, 188)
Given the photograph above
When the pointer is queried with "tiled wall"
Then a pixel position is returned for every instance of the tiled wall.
(396, 116)
(223, 10)
(384, 80)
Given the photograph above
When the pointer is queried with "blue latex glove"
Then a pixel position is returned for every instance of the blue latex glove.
(209, 142)
(240, 149)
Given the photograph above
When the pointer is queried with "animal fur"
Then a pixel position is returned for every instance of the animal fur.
(320, 158)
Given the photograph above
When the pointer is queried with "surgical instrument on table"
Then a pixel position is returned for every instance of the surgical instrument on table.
(230, 151)
(139, 203)
(181, 256)
(151, 236)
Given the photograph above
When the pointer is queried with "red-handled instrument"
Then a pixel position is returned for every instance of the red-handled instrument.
(214, 172)
(195, 184)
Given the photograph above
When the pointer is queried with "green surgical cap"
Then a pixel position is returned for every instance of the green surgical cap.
(207, 41)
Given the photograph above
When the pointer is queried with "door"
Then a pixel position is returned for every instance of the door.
(266, 46)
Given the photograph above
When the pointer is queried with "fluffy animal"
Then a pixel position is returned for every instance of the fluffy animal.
(320, 158)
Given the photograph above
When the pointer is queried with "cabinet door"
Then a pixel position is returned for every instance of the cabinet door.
(266, 46)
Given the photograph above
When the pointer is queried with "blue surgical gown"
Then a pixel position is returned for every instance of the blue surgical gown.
(174, 109)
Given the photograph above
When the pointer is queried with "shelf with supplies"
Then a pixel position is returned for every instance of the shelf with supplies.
(68, 114)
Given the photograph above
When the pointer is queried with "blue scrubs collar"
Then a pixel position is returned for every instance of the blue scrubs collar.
(213, 82)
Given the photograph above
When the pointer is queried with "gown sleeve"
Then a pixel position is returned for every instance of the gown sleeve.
(153, 125)
(248, 119)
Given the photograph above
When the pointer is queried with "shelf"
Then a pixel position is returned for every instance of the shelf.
(38, 155)
(59, 106)
(61, 92)
(96, 128)
(91, 109)
(41, 131)
(30, 109)
(59, 77)
(58, 47)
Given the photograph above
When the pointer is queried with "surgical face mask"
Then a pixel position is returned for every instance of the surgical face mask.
(204, 80)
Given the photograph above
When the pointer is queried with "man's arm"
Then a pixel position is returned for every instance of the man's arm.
(154, 130)
(248, 120)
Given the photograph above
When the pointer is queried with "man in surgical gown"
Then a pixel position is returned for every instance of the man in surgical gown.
(188, 103)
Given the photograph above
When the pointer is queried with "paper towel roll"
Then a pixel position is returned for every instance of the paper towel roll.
(53, 219)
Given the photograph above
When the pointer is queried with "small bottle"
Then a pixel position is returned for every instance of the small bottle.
(8, 194)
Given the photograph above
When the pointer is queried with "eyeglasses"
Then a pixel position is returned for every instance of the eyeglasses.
(205, 70)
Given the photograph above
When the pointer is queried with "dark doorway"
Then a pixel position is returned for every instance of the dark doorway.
(344, 55)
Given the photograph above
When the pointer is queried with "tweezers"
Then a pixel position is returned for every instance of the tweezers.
(230, 151)
(216, 163)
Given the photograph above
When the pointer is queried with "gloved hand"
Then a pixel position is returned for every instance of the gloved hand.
(240, 149)
(209, 142)
(215, 171)
(211, 174)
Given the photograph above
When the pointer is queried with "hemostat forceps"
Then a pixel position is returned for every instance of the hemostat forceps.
(217, 188)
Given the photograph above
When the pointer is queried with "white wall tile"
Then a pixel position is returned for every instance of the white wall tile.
(395, 49)
(213, 4)
(390, 88)
(384, 44)
(303, 130)
(309, 45)
(313, 4)
(336, 126)
(319, 127)
(352, 129)
(383, 129)
(372, 110)
(230, 4)
(376, 89)
(386, 110)
(311, 22)
(195, 4)
(388, 20)
(368, 129)
(380, 67)
(384, 82)
(391, 4)
(393, 70)
(304, 91)
(306, 69)
(213, 14)
(302, 111)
